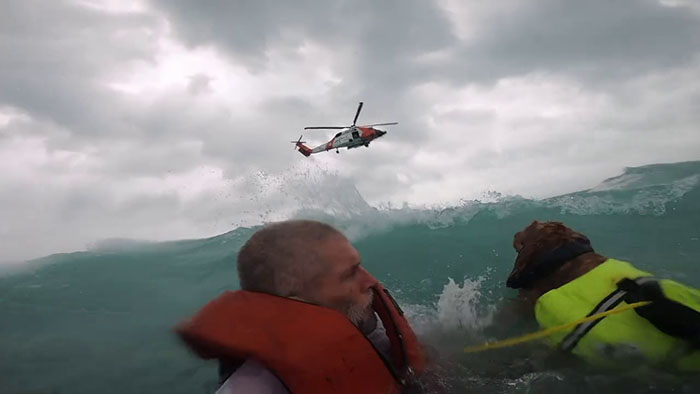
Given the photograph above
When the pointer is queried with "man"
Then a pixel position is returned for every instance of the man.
(305, 320)
(560, 275)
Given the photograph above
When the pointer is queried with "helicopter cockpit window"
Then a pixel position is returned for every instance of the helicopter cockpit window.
(338, 135)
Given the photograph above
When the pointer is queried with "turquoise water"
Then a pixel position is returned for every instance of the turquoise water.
(100, 321)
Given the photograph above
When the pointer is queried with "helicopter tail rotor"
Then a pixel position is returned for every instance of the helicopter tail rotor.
(298, 142)
(303, 149)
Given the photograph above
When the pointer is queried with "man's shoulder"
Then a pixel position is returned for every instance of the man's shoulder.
(252, 378)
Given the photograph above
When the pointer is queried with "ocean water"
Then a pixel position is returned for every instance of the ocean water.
(100, 321)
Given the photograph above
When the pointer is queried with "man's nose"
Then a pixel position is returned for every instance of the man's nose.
(368, 280)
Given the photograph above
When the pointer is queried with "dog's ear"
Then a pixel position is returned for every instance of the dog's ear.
(526, 256)
(525, 243)
(517, 241)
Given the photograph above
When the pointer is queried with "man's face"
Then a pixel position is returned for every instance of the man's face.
(344, 285)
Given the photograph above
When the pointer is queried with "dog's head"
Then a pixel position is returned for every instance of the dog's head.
(535, 242)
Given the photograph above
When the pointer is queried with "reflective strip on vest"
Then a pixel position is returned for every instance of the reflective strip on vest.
(608, 303)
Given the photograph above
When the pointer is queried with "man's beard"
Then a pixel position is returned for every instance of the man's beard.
(360, 312)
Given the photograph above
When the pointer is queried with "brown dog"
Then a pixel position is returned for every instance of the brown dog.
(549, 256)
(666, 331)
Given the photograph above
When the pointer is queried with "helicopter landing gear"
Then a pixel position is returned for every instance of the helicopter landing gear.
(337, 151)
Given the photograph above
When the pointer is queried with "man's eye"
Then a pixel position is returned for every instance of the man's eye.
(352, 273)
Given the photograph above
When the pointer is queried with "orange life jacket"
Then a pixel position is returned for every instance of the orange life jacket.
(311, 349)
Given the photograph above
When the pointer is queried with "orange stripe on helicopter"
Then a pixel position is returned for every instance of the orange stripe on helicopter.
(367, 132)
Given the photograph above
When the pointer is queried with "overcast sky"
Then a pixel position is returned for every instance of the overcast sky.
(166, 119)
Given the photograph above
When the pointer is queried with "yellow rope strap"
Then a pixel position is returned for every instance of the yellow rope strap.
(550, 331)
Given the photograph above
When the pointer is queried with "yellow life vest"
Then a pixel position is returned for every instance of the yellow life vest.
(619, 339)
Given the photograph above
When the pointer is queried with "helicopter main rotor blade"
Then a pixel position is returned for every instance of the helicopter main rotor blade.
(380, 124)
(324, 128)
(359, 108)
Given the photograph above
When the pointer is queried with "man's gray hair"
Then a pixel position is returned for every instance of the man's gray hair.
(282, 259)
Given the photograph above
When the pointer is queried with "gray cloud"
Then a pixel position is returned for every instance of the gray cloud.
(373, 44)
(199, 84)
(54, 54)
(599, 40)
(354, 28)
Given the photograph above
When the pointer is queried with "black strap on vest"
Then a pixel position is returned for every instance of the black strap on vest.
(668, 316)
(550, 261)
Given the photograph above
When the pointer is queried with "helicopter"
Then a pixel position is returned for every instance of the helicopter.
(349, 137)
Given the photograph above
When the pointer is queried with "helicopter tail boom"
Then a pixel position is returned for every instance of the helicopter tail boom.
(304, 150)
